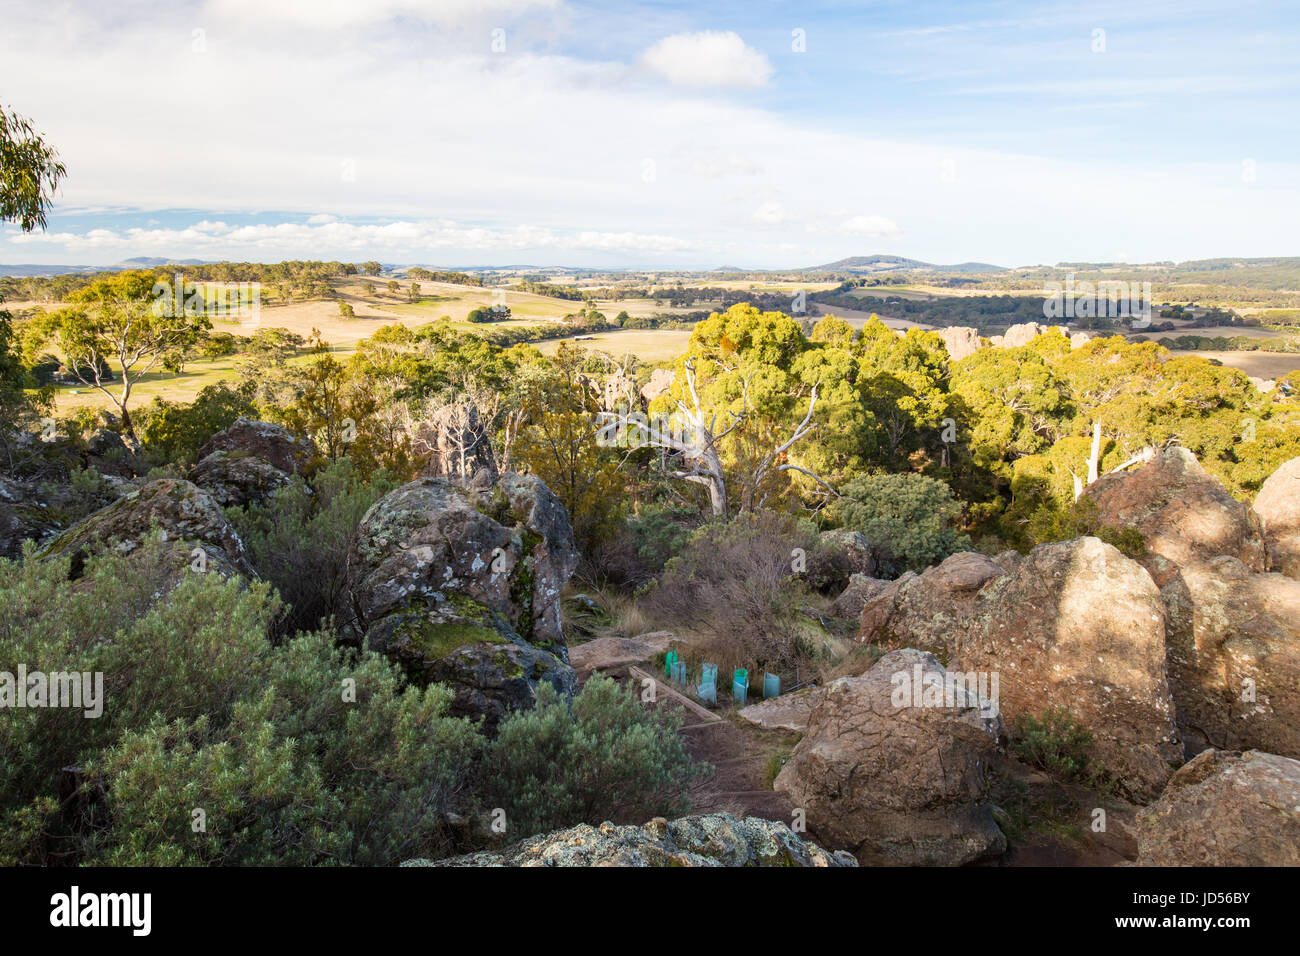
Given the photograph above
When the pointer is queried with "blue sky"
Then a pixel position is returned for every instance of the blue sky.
(660, 134)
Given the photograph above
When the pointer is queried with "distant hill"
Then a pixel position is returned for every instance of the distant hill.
(153, 262)
(22, 270)
(899, 264)
(25, 269)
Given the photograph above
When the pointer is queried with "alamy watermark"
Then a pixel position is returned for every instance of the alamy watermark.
(222, 300)
(939, 688)
(622, 428)
(69, 689)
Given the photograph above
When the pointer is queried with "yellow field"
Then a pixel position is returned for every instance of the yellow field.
(649, 345)
(438, 299)
(1264, 365)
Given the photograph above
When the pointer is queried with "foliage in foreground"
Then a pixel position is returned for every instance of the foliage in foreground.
(217, 746)
(607, 757)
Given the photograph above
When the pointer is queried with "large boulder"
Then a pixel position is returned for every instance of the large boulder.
(238, 477)
(179, 509)
(1182, 511)
(1278, 508)
(463, 587)
(1233, 641)
(857, 594)
(711, 839)
(271, 443)
(1225, 808)
(1023, 334)
(661, 381)
(456, 445)
(105, 442)
(1078, 626)
(898, 782)
(960, 341)
(786, 712)
(927, 611)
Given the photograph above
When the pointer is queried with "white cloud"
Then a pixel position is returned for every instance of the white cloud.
(870, 226)
(426, 239)
(335, 14)
(708, 58)
(714, 167)
(469, 152)
(770, 214)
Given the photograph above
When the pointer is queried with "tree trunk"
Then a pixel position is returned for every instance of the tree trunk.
(1094, 460)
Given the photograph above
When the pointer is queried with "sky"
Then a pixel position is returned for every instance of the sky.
(659, 135)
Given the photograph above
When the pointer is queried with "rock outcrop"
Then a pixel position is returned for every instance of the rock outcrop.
(1183, 513)
(251, 460)
(711, 839)
(893, 780)
(1225, 808)
(661, 380)
(861, 590)
(463, 587)
(1023, 334)
(179, 509)
(927, 611)
(1278, 508)
(960, 341)
(271, 443)
(1077, 625)
(1234, 657)
(787, 712)
(1072, 625)
(23, 515)
(238, 478)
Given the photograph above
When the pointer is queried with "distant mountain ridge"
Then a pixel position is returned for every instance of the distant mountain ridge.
(880, 263)
(25, 270)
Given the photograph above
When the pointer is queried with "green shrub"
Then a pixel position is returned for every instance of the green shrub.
(187, 653)
(172, 432)
(303, 753)
(301, 538)
(1054, 741)
(658, 533)
(909, 519)
(299, 776)
(1055, 521)
(606, 758)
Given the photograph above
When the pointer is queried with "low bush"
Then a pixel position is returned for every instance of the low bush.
(302, 753)
(606, 757)
(1054, 741)
(742, 584)
(910, 520)
(301, 539)
(1055, 521)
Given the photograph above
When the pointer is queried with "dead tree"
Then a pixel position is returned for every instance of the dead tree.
(698, 443)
